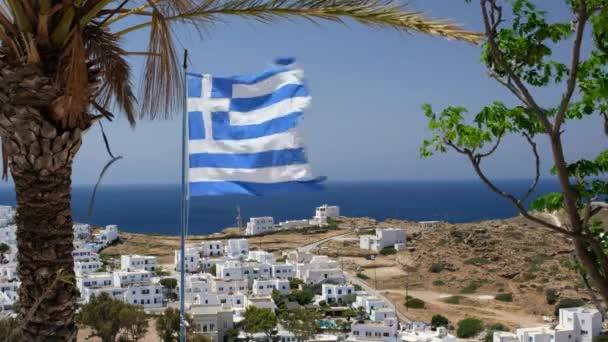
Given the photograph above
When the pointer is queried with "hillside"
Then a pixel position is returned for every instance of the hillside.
(471, 261)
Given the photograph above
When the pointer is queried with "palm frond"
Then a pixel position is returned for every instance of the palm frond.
(107, 60)
(375, 13)
(162, 88)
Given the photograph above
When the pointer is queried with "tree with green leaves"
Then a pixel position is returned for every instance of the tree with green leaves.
(9, 330)
(4, 248)
(300, 322)
(64, 68)
(258, 320)
(167, 325)
(169, 285)
(518, 54)
(107, 317)
(134, 322)
(439, 321)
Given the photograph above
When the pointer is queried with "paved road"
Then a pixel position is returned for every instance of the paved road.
(353, 279)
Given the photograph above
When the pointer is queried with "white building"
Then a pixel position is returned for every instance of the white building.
(212, 248)
(81, 254)
(221, 286)
(386, 331)
(148, 295)
(578, 325)
(319, 269)
(265, 287)
(390, 237)
(259, 225)
(8, 234)
(262, 302)
(326, 211)
(575, 325)
(127, 278)
(93, 281)
(369, 303)
(197, 285)
(84, 266)
(331, 293)
(234, 270)
(114, 292)
(235, 301)
(237, 248)
(283, 271)
(293, 224)
(207, 263)
(82, 231)
(136, 262)
(107, 235)
(212, 321)
(192, 259)
(382, 314)
(9, 271)
(427, 335)
(7, 215)
(261, 256)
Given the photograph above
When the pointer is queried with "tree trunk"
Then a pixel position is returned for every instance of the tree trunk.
(40, 159)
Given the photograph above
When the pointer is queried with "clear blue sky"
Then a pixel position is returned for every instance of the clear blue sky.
(368, 86)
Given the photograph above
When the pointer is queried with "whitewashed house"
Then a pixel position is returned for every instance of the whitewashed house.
(82, 231)
(261, 256)
(536, 334)
(93, 281)
(504, 336)
(236, 248)
(283, 271)
(265, 287)
(148, 295)
(222, 286)
(390, 237)
(386, 331)
(212, 321)
(235, 301)
(578, 325)
(197, 285)
(9, 271)
(382, 314)
(326, 211)
(8, 234)
(369, 303)
(262, 302)
(427, 335)
(259, 225)
(114, 292)
(293, 224)
(107, 235)
(136, 262)
(213, 248)
(207, 263)
(192, 259)
(84, 254)
(319, 269)
(127, 278)
(89, 265)
(7, 215)
(331, 293)
(230, 270)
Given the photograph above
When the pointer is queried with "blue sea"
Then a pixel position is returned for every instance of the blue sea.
(155, 208)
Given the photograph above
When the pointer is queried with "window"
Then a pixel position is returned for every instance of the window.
(385, 334)
(339, 292)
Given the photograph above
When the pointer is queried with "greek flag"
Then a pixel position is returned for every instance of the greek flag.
(243, 133)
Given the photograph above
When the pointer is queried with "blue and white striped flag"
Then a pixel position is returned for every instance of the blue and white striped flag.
(244, 136)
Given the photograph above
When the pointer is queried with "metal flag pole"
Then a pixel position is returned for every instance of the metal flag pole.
(185, 205)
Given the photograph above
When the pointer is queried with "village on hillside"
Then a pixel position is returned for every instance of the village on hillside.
(225, 277)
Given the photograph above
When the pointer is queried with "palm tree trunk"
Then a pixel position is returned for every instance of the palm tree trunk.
(40, 159)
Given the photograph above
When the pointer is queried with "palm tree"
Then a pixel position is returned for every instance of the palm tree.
(62, 68)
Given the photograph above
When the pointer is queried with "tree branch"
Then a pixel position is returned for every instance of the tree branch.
(536, 168)
(491, 22)
(582, 17)
(492, 150)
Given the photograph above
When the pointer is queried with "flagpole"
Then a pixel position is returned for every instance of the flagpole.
(184, 206)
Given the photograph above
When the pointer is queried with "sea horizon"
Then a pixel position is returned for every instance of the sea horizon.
(154, 208)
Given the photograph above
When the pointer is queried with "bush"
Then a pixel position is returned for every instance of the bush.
(504, 297)
(489, 337)
(388, 251)
(414, 303)
(294, 283)
(439, 321)
(357, 287)
(436, 268)
(568, 303)
(477, 261)
(438, 282)
(470, 288)
(469, 327)
(453, 299)
(600, 338)
(551, 295)
(362, 276)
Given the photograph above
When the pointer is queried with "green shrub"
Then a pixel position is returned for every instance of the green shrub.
(294, 283)
(489, 336)
(470, 288)
(438, 282)
(388, 251)
(453, 299)
(362, 276)
(504, 297)
(414, 303)
(436, 267)
(568, 303)
(439, 321)
(357, 287)
(469, 327)
(600, 338)
(551, 295)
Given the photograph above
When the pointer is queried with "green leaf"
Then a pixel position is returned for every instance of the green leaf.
(549, 202)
